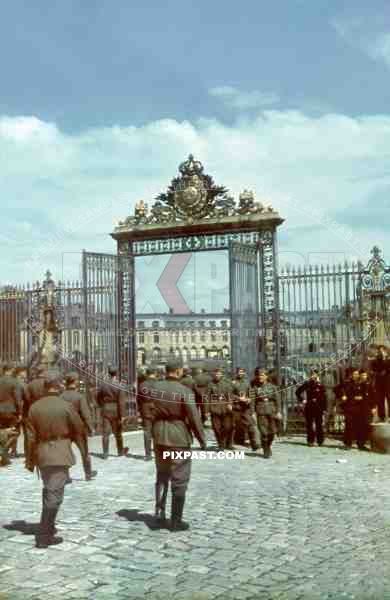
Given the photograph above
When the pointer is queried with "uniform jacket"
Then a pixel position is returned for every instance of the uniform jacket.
(187, 380)
(175, 416)
(144, 399)
(315, 395)
(220, 397)
(358, 398)
(80, 404)
(381, 368)
(241, 390)
(200, 386)
(266, 399)
(35, 391)
(111, 399)
(10, 396)
(52, 425)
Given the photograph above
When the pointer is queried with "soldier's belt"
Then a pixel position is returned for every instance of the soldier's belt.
(169, 420)
(54, 439)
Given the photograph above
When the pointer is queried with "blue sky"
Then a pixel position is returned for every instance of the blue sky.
(101, 101)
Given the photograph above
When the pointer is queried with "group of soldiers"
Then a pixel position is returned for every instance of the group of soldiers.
(230, 403)
(53, 413)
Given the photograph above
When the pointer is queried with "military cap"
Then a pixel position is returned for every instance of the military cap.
(52, 380)
(112, 370)
(71, 377)
(151, 370)
(173, 364)
(7, 366)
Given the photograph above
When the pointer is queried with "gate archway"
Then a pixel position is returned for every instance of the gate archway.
(195, 215)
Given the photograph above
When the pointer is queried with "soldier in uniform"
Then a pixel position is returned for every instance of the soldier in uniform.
(10, 412)
(200, 387)
(175, 419)
(79, 402)
(220, 406)
(145, 407)
(243, 423)
(315, 407)
(357, 411)
(36, 388)
(52, 426)
(267, 409)
(20, 374)
(111, 399)
(381, 369)
(187, 378)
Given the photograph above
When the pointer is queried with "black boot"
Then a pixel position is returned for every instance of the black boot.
(105, 447)
(89, 473)
(161, 490)
(177, 524)
(45, 537)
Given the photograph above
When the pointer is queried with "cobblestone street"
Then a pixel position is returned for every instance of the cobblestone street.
(301, 525)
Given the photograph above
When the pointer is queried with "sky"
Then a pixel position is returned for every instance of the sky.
(102, 100)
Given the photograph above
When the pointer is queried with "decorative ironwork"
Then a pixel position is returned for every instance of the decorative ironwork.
(192, 242)
(193, 197)
(244, 305)
(376, 275)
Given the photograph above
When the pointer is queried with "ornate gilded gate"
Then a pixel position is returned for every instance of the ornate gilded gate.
(244, 305)
(196, 215)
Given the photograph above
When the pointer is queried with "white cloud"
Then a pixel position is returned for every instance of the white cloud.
(334, 164)
(369, 35)
(240, 100)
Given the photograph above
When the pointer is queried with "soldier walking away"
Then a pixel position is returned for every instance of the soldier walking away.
(220, 407)
(267, 409)
(381, 369)
(175, 419)
(243, 423)
(314, 407)
(52, 426)
(10, 412)
(200, 386)
(111, 398)
(79, 402)
(145, 407)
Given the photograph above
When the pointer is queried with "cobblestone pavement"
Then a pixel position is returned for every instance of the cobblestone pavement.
(301, 525)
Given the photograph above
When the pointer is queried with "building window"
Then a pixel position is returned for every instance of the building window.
(225, 336)
(193, 338)
(213, 336)
(141, 357)
(224, 324)
(141, 324)
(201, 323)
(157, 354)
(202, 337)
(76, 323)
(141, 338)
(156, 338)
(184, 338)
(213, 324)
(155, 324)
(202, 352)
(76, 338)
(185, 354)
(194, 353)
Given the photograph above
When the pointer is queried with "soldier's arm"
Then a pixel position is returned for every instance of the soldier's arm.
(122, 401)
(278, 400)
(18, 399)
(194, 422)
(77, 431)
(86, 413)
(32, 441)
